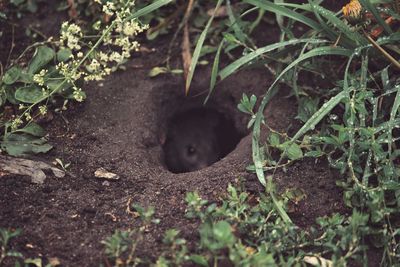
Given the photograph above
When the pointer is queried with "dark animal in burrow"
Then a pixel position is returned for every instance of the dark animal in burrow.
(191, 142)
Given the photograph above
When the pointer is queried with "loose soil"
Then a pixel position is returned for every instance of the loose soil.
(120, 128)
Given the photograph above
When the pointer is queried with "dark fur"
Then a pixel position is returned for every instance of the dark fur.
(191, 142)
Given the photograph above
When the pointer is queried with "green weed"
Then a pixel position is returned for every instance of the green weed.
(5, 237)
(245, 230)
(58, 68)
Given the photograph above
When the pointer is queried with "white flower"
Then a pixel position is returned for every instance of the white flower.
(43, 110)
(39, 78)
(78, 94)
(109, 8)
(16, 123)
(93, 66)
(117, 57)
(70, 35)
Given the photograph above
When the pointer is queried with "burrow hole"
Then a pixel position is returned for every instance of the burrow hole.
(197, 138)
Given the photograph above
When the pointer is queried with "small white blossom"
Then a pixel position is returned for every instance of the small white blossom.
(93, 66)
(109, 8)
(43, 110)
(28, 116)
(103, 56)
(16, 123)
(71, 35)
(78, 94)
(117, 57)
(39, 78)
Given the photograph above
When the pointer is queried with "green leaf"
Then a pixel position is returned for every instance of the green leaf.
(42, 56)
(306, 108)
(253, 100)
(148, 9)
(12, 75)
(10, 95)
(235, 23)
(294, 152)
(198, 259)
(230, 38)
(176, 71)
(17, 2)
(391, 185)
(32, 6)
(157, 71)
(29, 94)
(244, 105)
(14, 254)
(223, 232)
(273, 139)
(33, 129)
(64, 54)
(3, 96)
(214, 72)
(319, 115)
(26, 77)
(216, 236)
(21, 144)
(58, 85)
(314, 154)
(36, 262)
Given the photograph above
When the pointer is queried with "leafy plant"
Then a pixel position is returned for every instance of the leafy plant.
(6, 254)
(352, 121)
(25, 6)
(5, 237)
(121, 247)
(58, 68)
(247, 231)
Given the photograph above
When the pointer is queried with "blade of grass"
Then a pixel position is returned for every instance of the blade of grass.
(214, 71)
(363, 83)
(393, 113)
(228, 70)
(310, 124)
(257, 154)
(367, 5)
(319, 115)
(350, 121)
(239, 34)
(197, 50)
(150, 8)
(283, 11)
(257, 20)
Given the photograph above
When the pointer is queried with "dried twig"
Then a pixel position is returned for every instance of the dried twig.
(186, 17)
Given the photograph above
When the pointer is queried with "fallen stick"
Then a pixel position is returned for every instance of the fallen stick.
(27, 167)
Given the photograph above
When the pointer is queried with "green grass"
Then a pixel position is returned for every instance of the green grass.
(246, 230)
